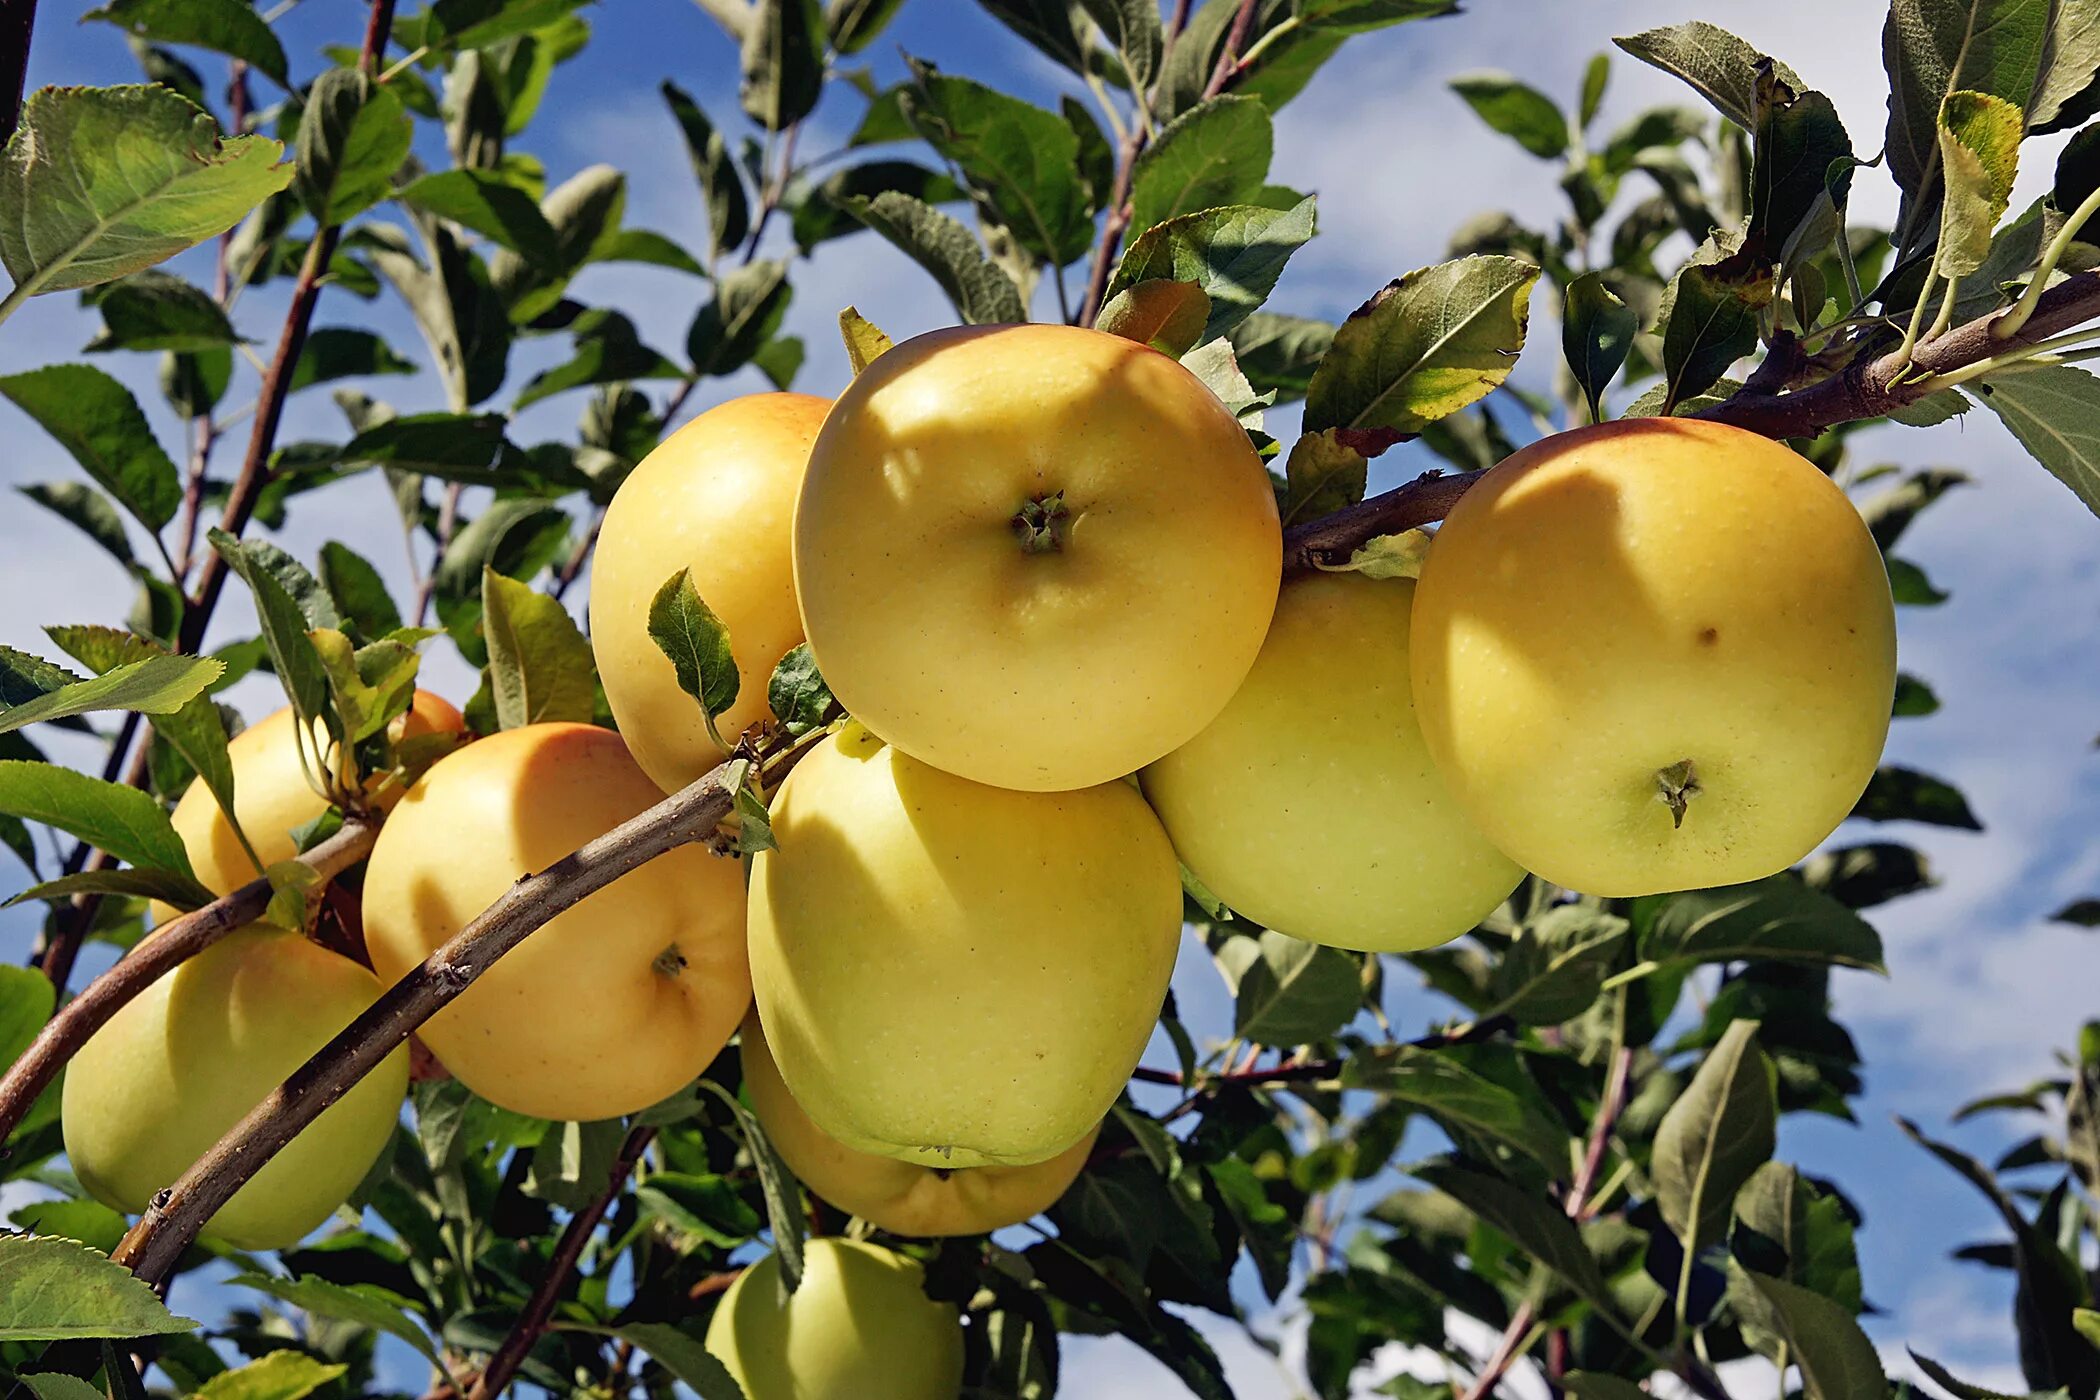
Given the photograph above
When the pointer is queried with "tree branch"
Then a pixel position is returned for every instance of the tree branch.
(1505, 1354)
(180, 1212)
(171, 944)
(532, 1322)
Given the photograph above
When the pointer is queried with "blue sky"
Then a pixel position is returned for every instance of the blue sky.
(1982, 987)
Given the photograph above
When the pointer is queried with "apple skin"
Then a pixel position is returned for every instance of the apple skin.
(185, 1060)
(579, 1021)
(1050, 670)
(1613, 601)
(272, 797)
(860, 1325)
(716, 497)
(900, 1197)
(1311, 804)
(953, 974)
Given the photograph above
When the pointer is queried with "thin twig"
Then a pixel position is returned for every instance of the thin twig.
(539, 1308)
(174, 942)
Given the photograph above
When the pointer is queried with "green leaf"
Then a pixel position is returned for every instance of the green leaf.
(336, 352)
(491, 205)
(1712, 323)
(166, 886)
(1979, 156)
(97, 420)
(100, 182)
(540, 666)
(155, 311)
(121, 820)
(154, 685)
(83, 506)
(721, 186)
(366, 1305)
(1716, 1134)
(1932, 48)
(1556, 965)
(1461, 1096)
(27, 999)
(796, 693)
(2055, 413)
(468, 448)
(1296, 992)
(1798, 141)
(608, 351)
(1775, 919)
(370, 685)
(2085, 913)
(822, 213)
(685, 629)
(279, 1375)
(854, 24)
(1363, 16)
(745, 313)
(776, 1183)
(1022, 160)
(228, 27)
(54, 1290)
(1133, 29)
(1168, 316)
(708, 1207)
(1906, 795)
(865, 341)
(358, 592)
(1600, 1385)
(640, 245)
(1532, 1222)
(53, 1385)
(2069, 90)
(475, 24)
(684, 1357)
(353, 136)
(1209, 156)
(1322, 476)
(1791, 1231)
(1517, 110)
(981, 293)
(1868, 874)
(1234, 254)
(1050, 25)
(1596, 335)
(1430, 343)
(1279, 353)
(783, 60)
(1963, 1390)
(1718, 66)
(1837, 1361)
(284, 623)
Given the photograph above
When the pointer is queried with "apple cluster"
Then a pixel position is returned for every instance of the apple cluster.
(1041, 568)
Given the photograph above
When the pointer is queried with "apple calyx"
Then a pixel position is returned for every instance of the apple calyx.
(1042, 523)
(670, 962)
(1676, 786)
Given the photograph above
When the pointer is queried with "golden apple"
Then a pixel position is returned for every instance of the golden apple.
(1034, 556)
(954, 974)
(611, 1005)
(860, 1325)
(1655, 655)
(1311, 804)
(185, 1060)
(272, 797)
(901, 1197)
(715, 497)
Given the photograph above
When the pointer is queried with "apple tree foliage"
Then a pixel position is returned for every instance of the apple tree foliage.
(1577, 1152)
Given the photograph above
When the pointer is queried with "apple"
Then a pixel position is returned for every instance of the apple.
(954, 974)
(860, 1325)
(1311, 805)
(608, 1007)
(1655, 654)
(272, 797)
(715, 497)
(1035, 556)
(185, 1060)
(901, 1197)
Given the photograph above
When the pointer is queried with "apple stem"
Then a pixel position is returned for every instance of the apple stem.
(1676, 786)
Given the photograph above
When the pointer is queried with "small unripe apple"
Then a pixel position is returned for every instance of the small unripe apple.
(1656, 654)
(860, 1325)
(901, 1197)
(953, 974)
(1036, 556)
(611, 1005)
(186, 1059)
(716, 497)
(1311, 804)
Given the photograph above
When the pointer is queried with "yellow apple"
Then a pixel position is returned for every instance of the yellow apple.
(611, 1005)
(1311, 805)
(272, 797)
(1656, 654)
(715, 497)
(903, 1198)
(185, 1060)
(859, 1327)
(954, 974)
(1034, 556)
